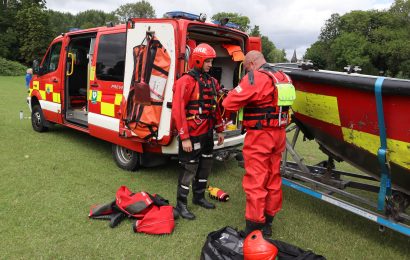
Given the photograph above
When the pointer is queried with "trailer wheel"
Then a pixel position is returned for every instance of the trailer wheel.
(37, 119)
(125, 158)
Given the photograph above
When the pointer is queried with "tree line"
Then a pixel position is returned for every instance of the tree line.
(27, 26)
(377, 41)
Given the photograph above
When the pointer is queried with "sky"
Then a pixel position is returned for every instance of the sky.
(289, 24)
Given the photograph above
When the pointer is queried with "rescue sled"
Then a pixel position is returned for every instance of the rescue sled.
(363, 120)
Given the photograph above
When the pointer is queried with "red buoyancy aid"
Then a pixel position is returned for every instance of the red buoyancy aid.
(203, 102)
(153, 213)
(195, 108)
(266, 113)
(134, 204)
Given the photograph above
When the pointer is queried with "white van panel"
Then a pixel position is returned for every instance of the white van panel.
(166, 35)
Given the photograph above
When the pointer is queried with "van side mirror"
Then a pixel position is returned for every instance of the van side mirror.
(36, 67)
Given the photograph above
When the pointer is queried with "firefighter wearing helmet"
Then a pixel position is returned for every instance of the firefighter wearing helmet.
(265, 96)
(196, 114)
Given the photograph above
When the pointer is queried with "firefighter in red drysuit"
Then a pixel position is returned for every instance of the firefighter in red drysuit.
(265, 140)
(196, 114)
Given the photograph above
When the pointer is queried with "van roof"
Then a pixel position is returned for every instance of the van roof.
(183, 23)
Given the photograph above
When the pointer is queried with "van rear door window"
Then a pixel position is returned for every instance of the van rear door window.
(111, 57)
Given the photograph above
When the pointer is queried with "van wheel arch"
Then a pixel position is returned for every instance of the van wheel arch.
(126, 159)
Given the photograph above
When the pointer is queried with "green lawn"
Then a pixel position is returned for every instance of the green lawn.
(50, 180)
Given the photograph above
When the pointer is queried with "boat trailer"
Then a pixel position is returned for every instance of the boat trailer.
(324, 182)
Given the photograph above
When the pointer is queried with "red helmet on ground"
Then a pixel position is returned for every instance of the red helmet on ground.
(201, 52)
(256, 247)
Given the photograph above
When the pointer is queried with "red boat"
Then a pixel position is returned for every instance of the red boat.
(339, 110)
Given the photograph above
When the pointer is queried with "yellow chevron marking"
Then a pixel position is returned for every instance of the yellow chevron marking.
(107, 109)
(320, 107)
(56, 98)
(42, 94)
(49, 88)
(36, 84)
(118, 98)
(92, 73)
(398, 151)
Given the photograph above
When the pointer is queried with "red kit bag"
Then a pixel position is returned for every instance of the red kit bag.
(157, 221)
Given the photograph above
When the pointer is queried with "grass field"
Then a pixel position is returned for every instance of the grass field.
(50, 180)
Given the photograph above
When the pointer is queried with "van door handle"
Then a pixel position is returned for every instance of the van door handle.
(95, 85)
(54, 80)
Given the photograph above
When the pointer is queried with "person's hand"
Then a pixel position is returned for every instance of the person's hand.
(221, 138)
(187, 145)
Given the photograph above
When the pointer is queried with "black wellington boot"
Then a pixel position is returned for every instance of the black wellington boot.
(267, 228)
(183, 210)
(251, 226)
(203, 203)
(199, 195)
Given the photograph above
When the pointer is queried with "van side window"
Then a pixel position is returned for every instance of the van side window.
(111, 57)
(53, 57)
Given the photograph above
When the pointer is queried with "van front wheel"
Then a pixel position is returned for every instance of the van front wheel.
(125, 158)
(37, 119)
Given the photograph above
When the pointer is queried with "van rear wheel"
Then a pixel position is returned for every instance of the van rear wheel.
(125, 158)
(37, 119)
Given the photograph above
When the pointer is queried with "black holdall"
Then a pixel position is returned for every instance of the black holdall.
(223, 244)
(227, 243)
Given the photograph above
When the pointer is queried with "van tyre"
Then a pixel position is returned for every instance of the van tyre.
(125, 158)
(37, 119)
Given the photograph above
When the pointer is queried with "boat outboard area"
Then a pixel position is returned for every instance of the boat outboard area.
(363, 120)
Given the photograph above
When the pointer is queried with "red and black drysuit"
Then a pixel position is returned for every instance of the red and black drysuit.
(265, 140)
(196, 114)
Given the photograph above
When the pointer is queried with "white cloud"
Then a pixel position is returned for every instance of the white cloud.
(291, 24)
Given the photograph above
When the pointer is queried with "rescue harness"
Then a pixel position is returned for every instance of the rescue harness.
(204, 107)
(274, 113)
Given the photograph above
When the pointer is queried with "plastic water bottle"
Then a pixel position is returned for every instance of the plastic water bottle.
(21, 115)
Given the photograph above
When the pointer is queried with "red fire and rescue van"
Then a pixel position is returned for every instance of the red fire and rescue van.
(115, 82)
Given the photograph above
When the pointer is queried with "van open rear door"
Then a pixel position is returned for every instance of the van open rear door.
(148, 79)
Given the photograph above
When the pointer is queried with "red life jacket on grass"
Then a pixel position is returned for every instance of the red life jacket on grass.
(153, 213)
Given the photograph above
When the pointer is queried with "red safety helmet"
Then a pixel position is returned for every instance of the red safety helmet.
(256, 247)
(201, 52)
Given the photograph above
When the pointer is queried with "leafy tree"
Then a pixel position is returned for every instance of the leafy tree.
(60, 22)
(141, 9)
(241, 20)
(255, 31)
(33, 32)
(93, 18)
(331, 29)
(376, 40)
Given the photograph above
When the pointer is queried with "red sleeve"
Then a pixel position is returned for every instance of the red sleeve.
(219, 126)
(241, 95)
(179, 103)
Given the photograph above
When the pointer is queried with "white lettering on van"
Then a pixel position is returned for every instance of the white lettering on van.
(117, 87)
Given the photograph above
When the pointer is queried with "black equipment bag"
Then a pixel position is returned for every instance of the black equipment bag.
(223, 244)
(290, 252)
(227, 243)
